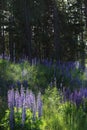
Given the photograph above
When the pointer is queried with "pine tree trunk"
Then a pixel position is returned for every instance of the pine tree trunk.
(56, 33)
(85, 3)
(11, 40)
(28, 30)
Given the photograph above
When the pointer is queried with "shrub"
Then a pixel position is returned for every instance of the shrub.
(59, 114)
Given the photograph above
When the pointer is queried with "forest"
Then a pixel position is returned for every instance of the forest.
(43, 65)
(43, 29)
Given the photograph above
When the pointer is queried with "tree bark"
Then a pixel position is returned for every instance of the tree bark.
(85, 3)
(28, 30)
(11, 39)
(56, 33)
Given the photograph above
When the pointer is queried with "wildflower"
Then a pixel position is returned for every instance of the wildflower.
(23, 114)
(39, 105)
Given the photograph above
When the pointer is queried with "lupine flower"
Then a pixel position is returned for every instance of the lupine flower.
(23, 113)
(78, 99)
(24, 100)
(34, 108)
(22, 94)
(76, 96)
(17, 96)
(11, 98)
(27, 98)
(66, 93)
(39, 105)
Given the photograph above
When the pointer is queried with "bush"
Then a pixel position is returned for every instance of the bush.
(62, 115)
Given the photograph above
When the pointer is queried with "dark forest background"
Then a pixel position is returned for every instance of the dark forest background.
(45, 29)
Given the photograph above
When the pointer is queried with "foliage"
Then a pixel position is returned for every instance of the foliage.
(29, 124)
(3, 106)
(62, 115)
(58, 113)
(24, 111)
(39, 76)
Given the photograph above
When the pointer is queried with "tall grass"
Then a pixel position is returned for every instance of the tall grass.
(62, 115)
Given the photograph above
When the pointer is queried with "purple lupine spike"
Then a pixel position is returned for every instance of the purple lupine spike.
(78, 99)
(85, 92)
(75, 95)
(32, 97)
(27, 97)
(34, 108)
(20, 102)
(24, 100)
(72, 97)
(17, 96)
(22, 94)
(82, 90)
(39, 105)
(66, 92)
(11, 98)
